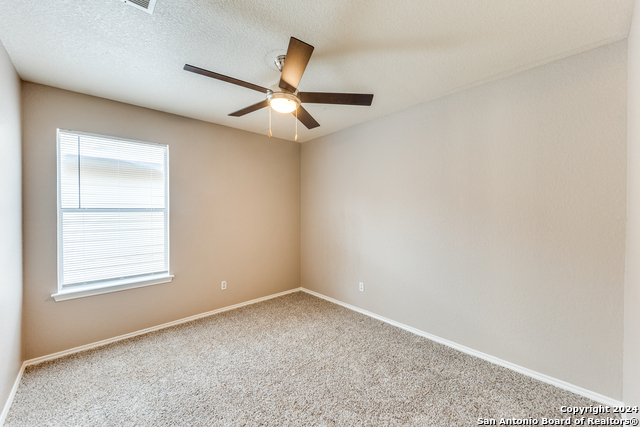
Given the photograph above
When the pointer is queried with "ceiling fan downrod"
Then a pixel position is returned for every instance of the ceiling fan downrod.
(279, 61)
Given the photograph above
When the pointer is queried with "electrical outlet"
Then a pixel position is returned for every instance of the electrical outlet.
(223, 285)
(361, 286)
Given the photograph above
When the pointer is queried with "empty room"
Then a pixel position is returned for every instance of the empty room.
(247, 213)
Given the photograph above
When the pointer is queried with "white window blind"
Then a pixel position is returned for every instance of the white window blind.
(113, 216)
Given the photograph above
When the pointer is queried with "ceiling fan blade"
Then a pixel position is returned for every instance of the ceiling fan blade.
(250, 109)
(336, 98)
(305, 118)
(227, 79)
(298, 54)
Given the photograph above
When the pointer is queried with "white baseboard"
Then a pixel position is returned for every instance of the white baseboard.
(63, 353)
(14, 389)
(525, 371)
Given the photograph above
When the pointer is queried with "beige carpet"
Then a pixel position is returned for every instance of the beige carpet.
(296, 360)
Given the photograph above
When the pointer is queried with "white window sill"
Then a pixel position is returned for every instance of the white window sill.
(112, 286)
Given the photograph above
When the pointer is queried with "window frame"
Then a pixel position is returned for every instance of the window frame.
(117, 284)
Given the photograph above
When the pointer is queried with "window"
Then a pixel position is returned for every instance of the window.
(113, 216)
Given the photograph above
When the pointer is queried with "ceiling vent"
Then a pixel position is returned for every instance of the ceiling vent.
(146, 5)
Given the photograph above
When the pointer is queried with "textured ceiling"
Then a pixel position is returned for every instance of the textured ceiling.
(404, 52)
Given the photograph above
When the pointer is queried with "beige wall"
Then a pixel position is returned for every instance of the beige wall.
(632, 283)
(10, 228)
(494, 217)
(235, 216)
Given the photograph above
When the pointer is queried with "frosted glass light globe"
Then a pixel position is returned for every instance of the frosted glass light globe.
(283, 105)
(283, 102)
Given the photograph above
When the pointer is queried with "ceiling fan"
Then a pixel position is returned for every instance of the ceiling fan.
(288, 99)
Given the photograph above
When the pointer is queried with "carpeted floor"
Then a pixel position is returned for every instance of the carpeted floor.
(296, 360)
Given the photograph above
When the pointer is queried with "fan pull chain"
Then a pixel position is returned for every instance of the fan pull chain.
(269, 122)
(296, 123)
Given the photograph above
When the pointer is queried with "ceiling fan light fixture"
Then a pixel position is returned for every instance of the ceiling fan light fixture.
(283, 102)
(288, 99)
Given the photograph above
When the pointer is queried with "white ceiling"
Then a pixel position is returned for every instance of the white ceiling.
(404, 52)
